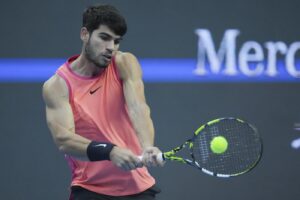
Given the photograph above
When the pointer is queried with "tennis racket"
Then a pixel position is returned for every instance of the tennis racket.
(224, 147)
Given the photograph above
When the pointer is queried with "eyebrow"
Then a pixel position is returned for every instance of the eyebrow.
(108, 35)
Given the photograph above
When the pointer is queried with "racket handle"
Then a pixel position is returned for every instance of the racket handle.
(160, 157)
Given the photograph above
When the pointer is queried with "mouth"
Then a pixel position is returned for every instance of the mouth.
(107, 56)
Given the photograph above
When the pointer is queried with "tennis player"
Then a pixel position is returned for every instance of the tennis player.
(98, 116)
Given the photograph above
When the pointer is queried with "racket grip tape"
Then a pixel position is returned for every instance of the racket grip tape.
(160, 157)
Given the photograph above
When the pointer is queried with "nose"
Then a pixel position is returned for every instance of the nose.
(110, 46)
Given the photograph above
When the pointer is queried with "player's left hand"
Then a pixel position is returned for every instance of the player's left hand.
(150, 157)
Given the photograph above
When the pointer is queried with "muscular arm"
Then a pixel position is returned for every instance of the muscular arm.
(61, 124)
(139, 111)
(60, 119)
(133, 88)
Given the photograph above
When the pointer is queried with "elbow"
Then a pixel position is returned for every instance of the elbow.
(61, 143)
(62, 148)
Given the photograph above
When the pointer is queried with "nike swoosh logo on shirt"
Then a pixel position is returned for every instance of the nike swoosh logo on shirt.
(93, 91)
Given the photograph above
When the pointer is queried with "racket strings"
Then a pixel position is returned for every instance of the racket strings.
(243, 150)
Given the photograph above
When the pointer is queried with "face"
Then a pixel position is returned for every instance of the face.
(100, 46)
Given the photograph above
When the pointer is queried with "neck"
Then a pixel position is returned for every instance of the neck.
(82, 66)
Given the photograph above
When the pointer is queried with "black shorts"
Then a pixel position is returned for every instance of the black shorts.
(79, 193)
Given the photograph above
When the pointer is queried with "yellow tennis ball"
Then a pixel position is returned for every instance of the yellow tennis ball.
(218, 145)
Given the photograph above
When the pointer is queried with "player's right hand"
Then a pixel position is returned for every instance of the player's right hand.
(149, 157)
(125, 159)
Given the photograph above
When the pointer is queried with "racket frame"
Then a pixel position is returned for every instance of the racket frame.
(171, 155)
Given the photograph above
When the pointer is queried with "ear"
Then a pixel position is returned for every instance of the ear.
(84, 34)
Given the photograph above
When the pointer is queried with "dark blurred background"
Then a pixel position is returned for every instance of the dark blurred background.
(32, 168)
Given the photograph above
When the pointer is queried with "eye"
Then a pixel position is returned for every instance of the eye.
(117, 41)
(104, 37)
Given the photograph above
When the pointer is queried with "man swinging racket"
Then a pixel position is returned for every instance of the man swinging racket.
(98, 116)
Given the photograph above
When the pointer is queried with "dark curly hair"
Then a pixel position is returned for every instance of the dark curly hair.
(108, 15)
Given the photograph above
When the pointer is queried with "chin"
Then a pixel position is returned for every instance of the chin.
(102, 65)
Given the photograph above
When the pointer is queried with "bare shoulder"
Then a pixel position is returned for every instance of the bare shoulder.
(128, 65)
(125, 58)
(54, 90)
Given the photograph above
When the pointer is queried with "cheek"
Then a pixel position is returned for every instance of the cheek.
(97, 45)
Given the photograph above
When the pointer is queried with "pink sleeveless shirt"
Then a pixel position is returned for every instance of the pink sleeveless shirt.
(100, 114)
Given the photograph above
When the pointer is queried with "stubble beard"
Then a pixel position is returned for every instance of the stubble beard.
(92, 57)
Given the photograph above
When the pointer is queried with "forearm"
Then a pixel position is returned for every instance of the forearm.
(74, 146)
(142, 122)
(79, 147)
(69, 142)
(140, 118)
